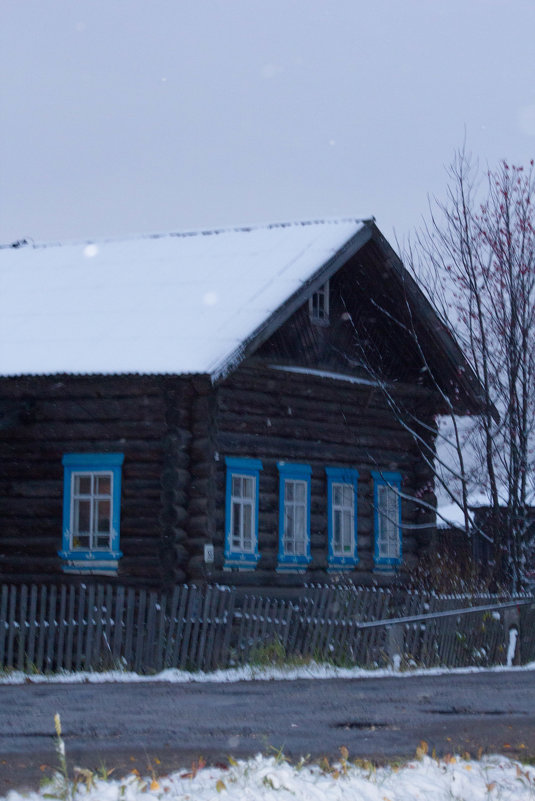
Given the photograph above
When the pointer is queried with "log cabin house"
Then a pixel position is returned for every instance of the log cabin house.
(221, 406)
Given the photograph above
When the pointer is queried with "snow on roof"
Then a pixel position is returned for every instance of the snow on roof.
(176, 303)
(451, 514)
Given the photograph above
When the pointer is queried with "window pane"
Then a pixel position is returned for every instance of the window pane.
(289, 529)
(337, 530)
(103, 485)
(348, 495)
(347, 528)
(103, 541)
(236, 486)
(82, 485)
(337, 494)
(289, 490)
(102, 517)
(248, 487)
(82, 517)
(247, 527)
(300, 491)
(300, 522)
(289, 523)
(388, 535)
(236, 524)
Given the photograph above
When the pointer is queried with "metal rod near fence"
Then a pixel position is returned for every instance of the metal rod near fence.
(445, 613)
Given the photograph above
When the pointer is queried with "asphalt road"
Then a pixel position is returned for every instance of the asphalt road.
(127, 725)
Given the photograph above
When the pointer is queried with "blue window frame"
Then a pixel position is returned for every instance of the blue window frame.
(387, 519)
(91, 512)
(342, 485)
(294, 517)
(241, 513)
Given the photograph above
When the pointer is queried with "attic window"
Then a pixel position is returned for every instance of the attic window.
(318, 305)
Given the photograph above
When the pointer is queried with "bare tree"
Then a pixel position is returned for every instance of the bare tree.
(476, 261)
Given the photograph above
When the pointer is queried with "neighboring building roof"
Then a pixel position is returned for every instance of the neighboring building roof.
(176, 303)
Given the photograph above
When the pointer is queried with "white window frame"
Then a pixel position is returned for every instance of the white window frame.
(344, 558)
(243, 507)
(295, 517)
(238, 555)
(93, 498)
(292, 559)
(318, 305)
(387, 520)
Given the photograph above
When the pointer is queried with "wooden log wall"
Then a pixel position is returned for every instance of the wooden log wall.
(276, 416)
(175, 482)
(43, 418)
(203, 512)
(175, 433)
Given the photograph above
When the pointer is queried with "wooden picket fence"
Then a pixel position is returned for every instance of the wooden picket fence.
(322, 624)
(368, 627)
(101, 627)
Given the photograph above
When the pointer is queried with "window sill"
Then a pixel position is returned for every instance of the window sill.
(341, 568)
(241, 561)
(389, 570)
(93, 567)
(291, 568)
(98, 563)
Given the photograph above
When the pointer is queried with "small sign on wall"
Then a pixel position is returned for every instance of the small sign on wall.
(209, 553)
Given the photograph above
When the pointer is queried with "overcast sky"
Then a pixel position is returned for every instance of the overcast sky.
(134, 116)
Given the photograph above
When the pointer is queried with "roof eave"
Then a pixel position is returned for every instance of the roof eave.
(300, 296)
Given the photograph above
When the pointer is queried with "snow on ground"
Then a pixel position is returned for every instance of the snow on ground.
(269, 778)
(245, 673)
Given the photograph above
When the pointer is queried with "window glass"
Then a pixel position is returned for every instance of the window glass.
(387, 519)
(82, 516)
(319, 305)
(92, 510)
(103, 485)
(102, 515)
(295, 517)
(343, 518)
(242, 512)
(82, 485)
(236, 486)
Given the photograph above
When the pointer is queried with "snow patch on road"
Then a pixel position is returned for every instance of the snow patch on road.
(245, 673)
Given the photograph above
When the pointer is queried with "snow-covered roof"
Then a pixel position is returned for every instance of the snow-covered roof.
(176, 303)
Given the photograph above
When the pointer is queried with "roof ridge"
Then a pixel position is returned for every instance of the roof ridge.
(29, 242)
